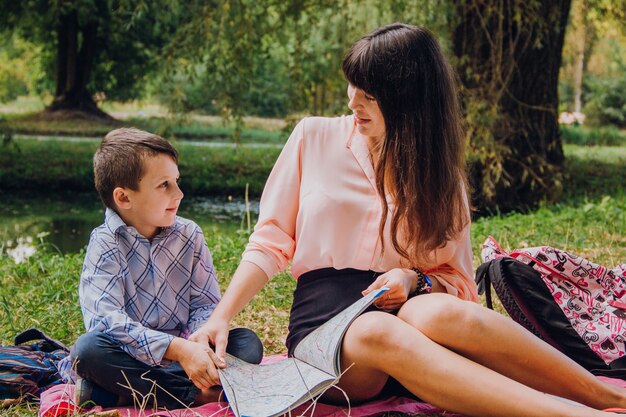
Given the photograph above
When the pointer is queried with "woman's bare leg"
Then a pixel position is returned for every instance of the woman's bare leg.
(500, 344)
(379, 344)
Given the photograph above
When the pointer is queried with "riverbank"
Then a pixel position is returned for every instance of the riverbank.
(30, 165)
(43, 166)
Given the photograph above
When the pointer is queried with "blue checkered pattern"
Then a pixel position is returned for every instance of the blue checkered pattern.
(145, 293)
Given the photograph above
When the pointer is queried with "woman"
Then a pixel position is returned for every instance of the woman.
(322, 209)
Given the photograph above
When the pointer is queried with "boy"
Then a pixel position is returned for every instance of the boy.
(147, 285)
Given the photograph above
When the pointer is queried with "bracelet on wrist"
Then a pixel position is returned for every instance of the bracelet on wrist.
(424, 284)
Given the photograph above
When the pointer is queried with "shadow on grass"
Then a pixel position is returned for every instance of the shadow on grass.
(591, 179)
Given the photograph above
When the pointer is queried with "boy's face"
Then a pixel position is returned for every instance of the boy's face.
(155, 203)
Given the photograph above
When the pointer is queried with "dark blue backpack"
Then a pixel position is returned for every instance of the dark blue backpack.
(26, 370)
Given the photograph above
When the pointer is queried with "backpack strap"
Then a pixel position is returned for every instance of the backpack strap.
(36, 334)
(491, 254)
(484, 281)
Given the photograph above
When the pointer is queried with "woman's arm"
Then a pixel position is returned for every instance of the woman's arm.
(269, 249)
(246, 283)
(195, 355)
(204, 291)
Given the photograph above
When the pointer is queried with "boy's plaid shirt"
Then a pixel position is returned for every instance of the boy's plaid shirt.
(145, 293)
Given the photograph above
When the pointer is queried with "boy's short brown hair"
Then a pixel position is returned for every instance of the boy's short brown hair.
(118, 162)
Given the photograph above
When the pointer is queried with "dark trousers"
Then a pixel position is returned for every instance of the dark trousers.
(100, 359)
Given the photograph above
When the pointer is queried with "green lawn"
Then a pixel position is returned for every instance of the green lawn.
(35, 165)
(23, 117)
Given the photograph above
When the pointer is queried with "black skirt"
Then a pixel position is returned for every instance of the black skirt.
(319, 296)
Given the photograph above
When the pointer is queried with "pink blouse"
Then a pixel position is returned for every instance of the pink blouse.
(320, 208)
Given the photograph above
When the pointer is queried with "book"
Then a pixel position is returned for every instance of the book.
(275, 389)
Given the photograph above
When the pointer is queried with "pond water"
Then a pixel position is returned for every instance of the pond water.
(63, 224)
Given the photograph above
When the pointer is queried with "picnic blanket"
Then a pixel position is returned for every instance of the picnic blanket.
(57, 402)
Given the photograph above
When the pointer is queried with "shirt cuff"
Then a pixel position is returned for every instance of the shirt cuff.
(261, 260)
(156, 351)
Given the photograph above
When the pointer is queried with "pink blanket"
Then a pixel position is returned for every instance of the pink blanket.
(56, 402)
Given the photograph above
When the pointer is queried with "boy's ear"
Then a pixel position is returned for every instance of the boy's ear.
(120, 197)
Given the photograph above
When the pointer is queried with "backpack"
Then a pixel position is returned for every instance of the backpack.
(26, 370)
(573, 304)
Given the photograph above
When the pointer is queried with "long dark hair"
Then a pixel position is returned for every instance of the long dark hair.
(421, 163)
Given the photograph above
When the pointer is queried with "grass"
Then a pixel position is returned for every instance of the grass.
(35, 165)
(23, 117)
(588, 221)
(199, 128)
(25, 105)
(593, 136)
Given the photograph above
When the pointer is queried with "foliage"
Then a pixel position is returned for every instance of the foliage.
(592, 52)
(266, 57)
(606, 104)
(16, 75)
(604, 82)
(274, 57)
(6, 132)
(129, 36)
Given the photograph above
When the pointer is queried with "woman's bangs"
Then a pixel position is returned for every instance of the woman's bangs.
(356, 66)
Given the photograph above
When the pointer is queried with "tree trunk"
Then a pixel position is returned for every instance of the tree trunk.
(75, 59)
(62, 47)
(509, 55)
(579, 72)
(585, 33)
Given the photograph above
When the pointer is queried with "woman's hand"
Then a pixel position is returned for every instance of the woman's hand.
(198, 361)
(213, 332)
(400, 281)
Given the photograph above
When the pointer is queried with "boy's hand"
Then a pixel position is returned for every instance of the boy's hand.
(199, 364)
(213, 332)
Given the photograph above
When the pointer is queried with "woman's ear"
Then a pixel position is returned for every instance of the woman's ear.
(121, 199)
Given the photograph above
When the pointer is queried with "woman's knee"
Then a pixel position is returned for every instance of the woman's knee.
(441, 312)
(368, 336)
(376, 330)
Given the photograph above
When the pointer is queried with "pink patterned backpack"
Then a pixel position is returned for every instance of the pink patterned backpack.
(577, 306)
